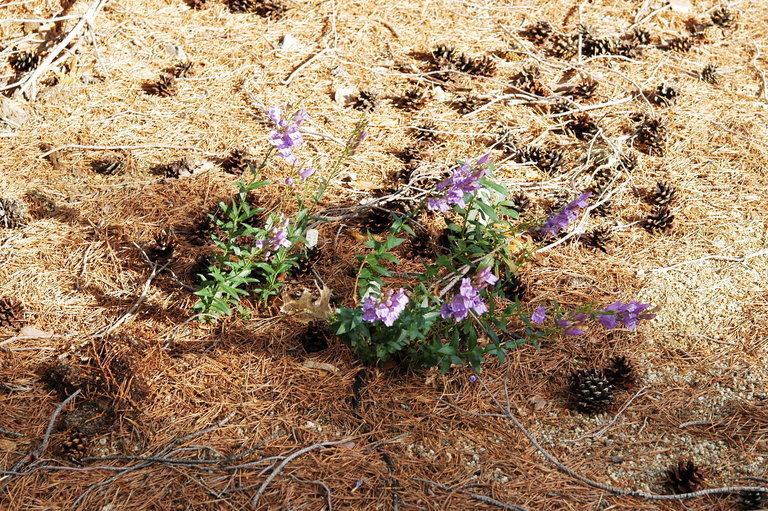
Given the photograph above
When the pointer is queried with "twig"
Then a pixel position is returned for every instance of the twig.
(763, 92)
(388, 25)
(117, 147)
(611, 422)
(474, 496)
(290, 458)
(31, 79)
(46, 438)
(304, 64)
(606, 487)
(11, 433)
(593, 107)
(741, 259)
(476, 414)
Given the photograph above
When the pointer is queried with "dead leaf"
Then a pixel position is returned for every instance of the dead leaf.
(311, 364)
(7, 445)
(306, 308)
(12, 113)
(538, 402)
(681, 5)
(347, 445)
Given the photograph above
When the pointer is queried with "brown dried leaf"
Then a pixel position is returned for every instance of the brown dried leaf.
(538, 402)
(311, 364)
(306, 308)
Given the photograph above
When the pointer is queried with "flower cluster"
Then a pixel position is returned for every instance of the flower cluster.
(386, 308)
(464, 180)
(469, 296)
(628, 314)
(287, 135)
(276, 238)
(559, 221)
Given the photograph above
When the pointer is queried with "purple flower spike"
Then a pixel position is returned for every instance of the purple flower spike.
(287, 135)
(387, 308)
(464, 180)
(569, 328)
(539, 315)
(278, 236)
(467, 299)
(485, 278)
(628, 314)
(559, 221)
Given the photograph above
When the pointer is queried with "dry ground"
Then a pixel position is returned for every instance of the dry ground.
(158, 377)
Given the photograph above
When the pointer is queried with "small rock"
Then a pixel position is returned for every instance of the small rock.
(288, 43)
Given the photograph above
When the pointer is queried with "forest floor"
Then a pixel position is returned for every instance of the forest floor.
(102, 322)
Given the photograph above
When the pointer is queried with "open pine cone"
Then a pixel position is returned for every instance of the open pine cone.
(11, 313)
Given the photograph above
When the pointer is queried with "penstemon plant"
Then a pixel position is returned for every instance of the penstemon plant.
(250, 259)
(456, 312)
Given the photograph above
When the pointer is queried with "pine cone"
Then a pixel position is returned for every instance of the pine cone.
(752, 500)
(196, 4)
(628, 161)
(563, 47)
(548, 160)
(467, 104)
(582, 127)
(426, 133)
(377, 220)
(538, 32)
(722, 17)
(598, 238)
(592, 46)
(681, 44)
(366, 101)
(685, 477)
(665, 94)
(13, 213)
(165, 244)
(651, 135)
(628, 49)
(479, 66)
(604, 209)
(620, 372)
(709, 74)
(514, 288)
(164, 87)
(663, 194)
(11, 313)
(413, 99)
(75, 446)
(520, 203)
(181, 168)
(641, 36)
(314, 337)
(181, 70)
(443, 55)
(24, 61)
(109, 166)
(586, 89)
(237, 162)
(264, 8)
(591, 389)
(306, 262)
(659, 220)
(528, 80)
(420, 247)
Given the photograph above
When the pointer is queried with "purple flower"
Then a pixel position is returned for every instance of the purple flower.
(289, 181)
(277, 237)
(628, 314)
(287, 135)
(569, 327)
(539, 315)
(386, 308)
(463, 181)
(468, 299)
(305, 173)
(353, 144)
(472, 378)
(559, 221)
(484, 278)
